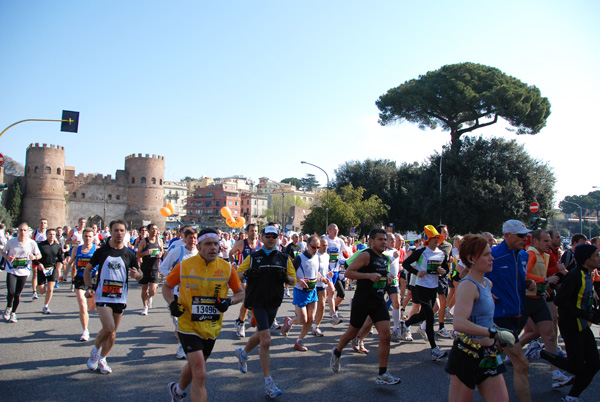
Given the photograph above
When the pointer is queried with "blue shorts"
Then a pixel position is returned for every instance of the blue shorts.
(303, 297)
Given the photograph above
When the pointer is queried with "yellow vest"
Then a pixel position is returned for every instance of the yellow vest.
(200, 286)
(539, 269)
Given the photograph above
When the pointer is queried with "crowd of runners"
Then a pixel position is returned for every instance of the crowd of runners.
(509, 298)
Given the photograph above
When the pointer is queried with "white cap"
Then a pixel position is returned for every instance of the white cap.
(270, 229)
(515, 227)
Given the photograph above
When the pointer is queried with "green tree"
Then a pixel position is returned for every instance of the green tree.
(465, 97)
(5, 217)
(309, 182)
(275, 213)
(486, 183)
(14, 199)
(294, 181)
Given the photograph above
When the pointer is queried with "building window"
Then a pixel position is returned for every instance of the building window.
(160, 182)
(35, 169)
(74, 194)
(118, 197)
(208, 203)
(47, 170)
(217, 203)
(236, 203)
(143, 180)
(209, 211)
(133, 180)
(153, 181)
(110, 196)
(229, 202)
(199, 194)
(58, 171)
(82, 195)
(254, 202)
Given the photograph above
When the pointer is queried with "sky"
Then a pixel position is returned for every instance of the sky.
(253, 88)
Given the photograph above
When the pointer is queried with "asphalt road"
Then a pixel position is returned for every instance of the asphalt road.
(41, 359)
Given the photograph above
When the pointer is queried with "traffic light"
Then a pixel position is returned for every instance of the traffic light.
(72, 121)
(536, 222)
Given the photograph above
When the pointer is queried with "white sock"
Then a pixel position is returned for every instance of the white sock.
(268, 380)
(396, 317)
(178, 390)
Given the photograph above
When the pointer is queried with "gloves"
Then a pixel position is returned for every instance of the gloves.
(505, 337)
(223, 305)
(594, 316)
(282, 274)
(176, 311)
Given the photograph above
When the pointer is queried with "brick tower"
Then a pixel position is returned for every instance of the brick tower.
(145, 192)
(44, 195)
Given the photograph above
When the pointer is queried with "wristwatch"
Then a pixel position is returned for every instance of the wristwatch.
(493, 332)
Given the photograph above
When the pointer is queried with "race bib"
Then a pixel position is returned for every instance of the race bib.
(82, 262)
(311, 283)
(541, 289)
(112, 289)
(203, 308)
(333, 256)
(380, 284)
(19, 263)
(432, 266)
(154, 252)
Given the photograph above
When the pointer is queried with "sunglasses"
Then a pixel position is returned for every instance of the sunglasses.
(521, 235)
(313, 247)
(270, 236)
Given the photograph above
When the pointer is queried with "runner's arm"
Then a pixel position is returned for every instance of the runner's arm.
(362, 260)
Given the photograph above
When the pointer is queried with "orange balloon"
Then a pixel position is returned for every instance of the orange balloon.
(164, 211)
(230, 222)
(226, 212)
(240, 222)
(170, 206)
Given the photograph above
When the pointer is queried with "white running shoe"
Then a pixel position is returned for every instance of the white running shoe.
(175, 397)
(533, 351)
(242, 360)
(437, 354)
(335, 319)
(180, 352)
(85, 335)
(561, 380)
(422, 332)
(272, 390)
(275, 324)
(387, 379)
(7, 314)
(335, 362)
(287, 293)
(240, 328)
(444, 333)
(13, 318)
(92, 362)
(316, 331)
(103, 366)
(35, 296)
(287, 325)
(396, 335)
(145, 311)
(46, 310)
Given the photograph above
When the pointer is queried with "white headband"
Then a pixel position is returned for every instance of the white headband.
(206, 236)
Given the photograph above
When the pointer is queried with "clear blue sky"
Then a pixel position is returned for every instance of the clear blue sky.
(253, 88)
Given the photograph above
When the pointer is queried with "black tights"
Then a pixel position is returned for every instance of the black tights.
(582, 359)
(14, 286)
(426, 297)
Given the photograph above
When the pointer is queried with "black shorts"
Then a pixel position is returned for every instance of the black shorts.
(360, 310)
(42, 279)
(514, 324)
(392, 289)
(403, 274)
(193, 343)
(78, 283)
(442, 287)
(467, 369)
(537, 309)
(150, 276)
(320, 289)
(117, 308)
(264, 317)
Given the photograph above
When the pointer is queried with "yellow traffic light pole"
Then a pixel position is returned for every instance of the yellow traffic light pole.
(22, 121)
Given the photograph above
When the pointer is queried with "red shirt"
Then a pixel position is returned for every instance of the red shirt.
(553, 262)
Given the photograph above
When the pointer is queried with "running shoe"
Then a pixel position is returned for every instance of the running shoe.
(405, 334)
(180, 355)
(569, 399)
(92, 362)
(272, 390)
(422, 332)
(103, 366)
(448, 312)
(316, 331)
(85, 335)
(242, 360)
(72, 288)
(334, 362)
(299, 345)
(275, 324)
(7, 314)
(355, 342)
(361, 347)
(46, 310)
(396, 335)
(444, 333)
(335, 319)
(287, 293)
(13, 318)
(560, 352)
(533, 351)
(56, 285)
(561, 380)
(437, 354)
(240, 328)
(287, 325)
(35, 296)
(145, 311)
(387, 379)
(175, 397)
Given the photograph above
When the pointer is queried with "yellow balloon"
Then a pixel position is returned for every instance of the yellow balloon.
(226, 212)
(170, 206)
(240, 222)
(230, 222)
(164, 211)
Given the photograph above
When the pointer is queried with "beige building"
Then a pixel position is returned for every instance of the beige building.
(176, 193)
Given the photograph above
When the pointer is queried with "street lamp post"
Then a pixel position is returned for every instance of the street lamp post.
(580, 214)
(327, 190)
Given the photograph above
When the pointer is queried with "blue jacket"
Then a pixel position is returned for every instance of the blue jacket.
(508, 278)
